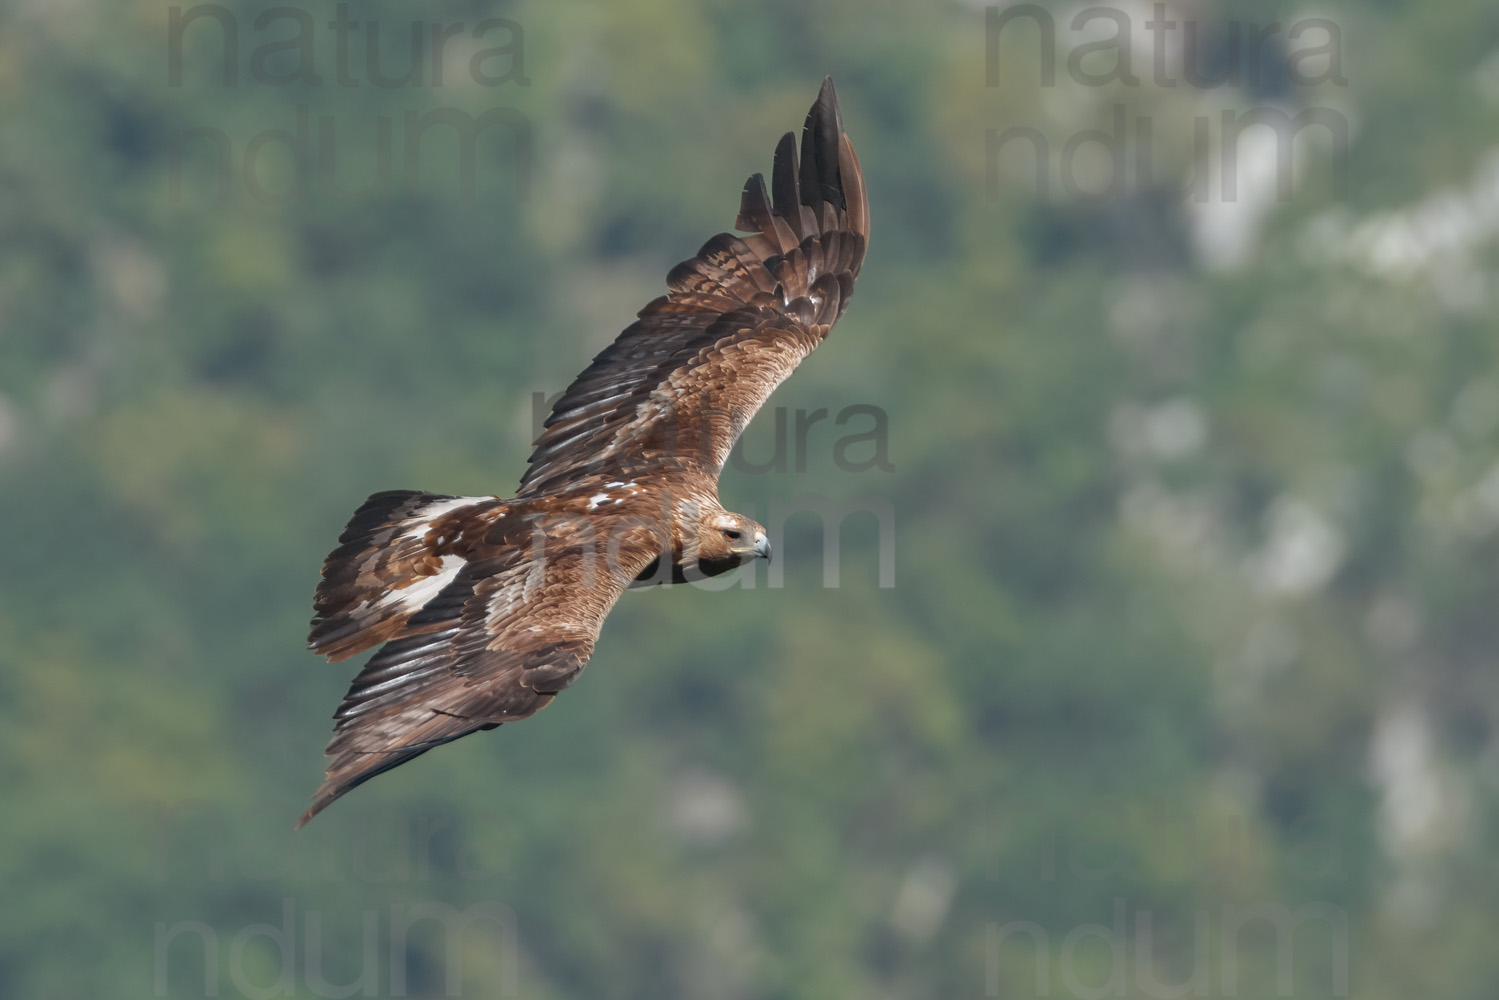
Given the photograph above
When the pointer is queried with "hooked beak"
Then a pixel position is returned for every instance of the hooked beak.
(762, 546)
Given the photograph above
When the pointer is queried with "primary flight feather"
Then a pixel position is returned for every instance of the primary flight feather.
(485, 608)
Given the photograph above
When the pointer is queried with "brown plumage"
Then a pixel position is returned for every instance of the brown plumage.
(486, 608)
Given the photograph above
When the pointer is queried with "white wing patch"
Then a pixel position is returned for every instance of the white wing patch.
(424, 588)
(417, 526)
(442, 507)
(605, 497)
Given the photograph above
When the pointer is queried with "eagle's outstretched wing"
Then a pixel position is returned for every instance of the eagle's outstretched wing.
(672, 393)
(513, 624)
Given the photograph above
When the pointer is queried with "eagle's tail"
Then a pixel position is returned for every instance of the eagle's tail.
(388, 565)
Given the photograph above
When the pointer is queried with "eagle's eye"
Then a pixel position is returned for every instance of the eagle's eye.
(732, 534)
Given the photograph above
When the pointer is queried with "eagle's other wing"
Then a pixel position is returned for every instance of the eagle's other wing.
(515, 625)
(396, 553)
(674, 390)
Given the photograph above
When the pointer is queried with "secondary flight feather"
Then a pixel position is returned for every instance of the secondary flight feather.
(484, 608)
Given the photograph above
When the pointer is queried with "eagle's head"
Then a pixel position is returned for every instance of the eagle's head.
(725, 541)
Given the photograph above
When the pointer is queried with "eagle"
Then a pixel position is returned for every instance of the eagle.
(485, 608)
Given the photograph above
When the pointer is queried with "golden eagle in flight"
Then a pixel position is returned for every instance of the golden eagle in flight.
(488, 607)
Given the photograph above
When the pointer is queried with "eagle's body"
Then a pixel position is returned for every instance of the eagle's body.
(486, 608)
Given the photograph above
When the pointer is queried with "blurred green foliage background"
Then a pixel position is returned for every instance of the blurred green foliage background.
(1196, 504)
